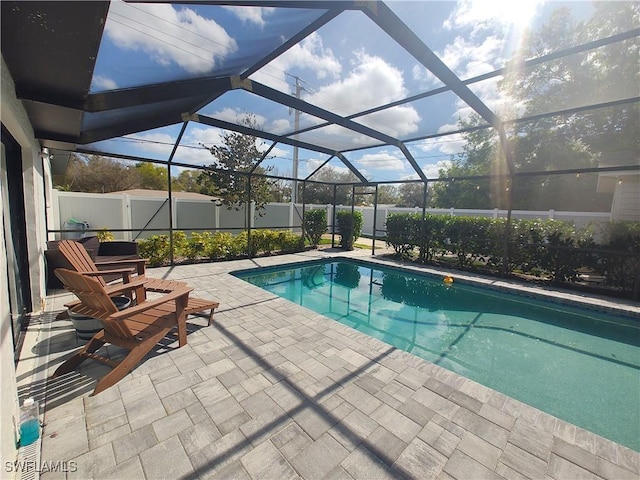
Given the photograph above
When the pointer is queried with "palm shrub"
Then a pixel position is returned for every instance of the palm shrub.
(315, 225)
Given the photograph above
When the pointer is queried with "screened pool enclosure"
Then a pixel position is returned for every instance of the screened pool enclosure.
(531, 107)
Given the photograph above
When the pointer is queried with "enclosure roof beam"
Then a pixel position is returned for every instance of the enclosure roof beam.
(388, 21)
(351, 167)
(302, 106)
(264, 155)
(213, 122)
(318, 169)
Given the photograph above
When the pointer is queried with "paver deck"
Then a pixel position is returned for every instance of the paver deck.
(274, 391)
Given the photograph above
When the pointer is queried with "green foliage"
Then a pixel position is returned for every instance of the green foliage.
(401, 233)
(347, 275)
(549, 248)
(621, 263)
(322, 194)
(349, 227)
(218, 246)
(104, 235)
(410, 195)
(466, 238)
(96, 174)
(579, 140)
(289, 242)
(155, 249)
(152, 177)
(315, 225)
(228, 176)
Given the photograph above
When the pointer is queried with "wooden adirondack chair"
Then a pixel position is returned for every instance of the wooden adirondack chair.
(137, 329)
(81, 261)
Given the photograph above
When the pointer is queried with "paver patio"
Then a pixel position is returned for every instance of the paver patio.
(274, 391)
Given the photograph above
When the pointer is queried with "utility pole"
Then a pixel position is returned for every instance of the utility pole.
(296, 127)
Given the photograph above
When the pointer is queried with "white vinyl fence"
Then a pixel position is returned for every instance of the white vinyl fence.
(116, 211)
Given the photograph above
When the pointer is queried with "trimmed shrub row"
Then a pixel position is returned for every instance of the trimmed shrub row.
(544, 248)
(218, 246)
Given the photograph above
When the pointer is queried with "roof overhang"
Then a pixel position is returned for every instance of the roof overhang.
(50, 49)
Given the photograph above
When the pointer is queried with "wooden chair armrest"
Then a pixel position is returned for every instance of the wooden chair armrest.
(139, 263)
(124, 287)
(147, 304)
(100, 273)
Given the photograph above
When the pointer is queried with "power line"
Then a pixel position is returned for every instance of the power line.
(167, 43)
(172, 23)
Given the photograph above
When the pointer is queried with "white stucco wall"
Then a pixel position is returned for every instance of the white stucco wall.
(15, 120)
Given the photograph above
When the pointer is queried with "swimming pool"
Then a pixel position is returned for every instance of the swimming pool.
(579, 365)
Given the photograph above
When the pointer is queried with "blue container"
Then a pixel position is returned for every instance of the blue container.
(29, 422)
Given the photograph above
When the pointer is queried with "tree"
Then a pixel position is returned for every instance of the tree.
(186, 181)
(573, 141)
(227, 177)
(411, 194)
(388, 194)
(322, 194)
(152, 177)
(96, 174)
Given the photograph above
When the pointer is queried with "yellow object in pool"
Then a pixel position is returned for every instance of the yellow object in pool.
(448, 279)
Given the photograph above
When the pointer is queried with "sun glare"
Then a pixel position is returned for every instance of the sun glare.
(515, 14)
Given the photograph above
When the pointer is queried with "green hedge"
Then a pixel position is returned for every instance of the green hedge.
(217, 246)
(349, 227)
(546, 248)
(315, 225)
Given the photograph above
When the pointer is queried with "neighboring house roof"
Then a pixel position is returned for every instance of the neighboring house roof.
(139, 192)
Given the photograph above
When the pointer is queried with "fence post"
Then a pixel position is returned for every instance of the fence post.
(174, 213)
(291, 217)
(126, 216)
(452, 212)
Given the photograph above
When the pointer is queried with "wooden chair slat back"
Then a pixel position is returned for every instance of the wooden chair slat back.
(93, 295)
(78, 257)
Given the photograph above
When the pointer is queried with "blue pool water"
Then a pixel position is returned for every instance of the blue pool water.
(579, 365)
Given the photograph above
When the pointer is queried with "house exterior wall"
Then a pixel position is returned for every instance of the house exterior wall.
(15, 120)
(626, 199)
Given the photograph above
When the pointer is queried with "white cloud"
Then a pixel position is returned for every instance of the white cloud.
(469, 58)
(481, 15)
(490, 29)
(381, 161)
(426, 79)
(253, 15)
(280, 126)
(158, 144)
(432, 170)
(169, 35)
(372, 82)
(310, 54)
(102, 83)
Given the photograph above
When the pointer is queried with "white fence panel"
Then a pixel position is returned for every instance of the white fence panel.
(98, 210)
(192, 215)
(121, 211)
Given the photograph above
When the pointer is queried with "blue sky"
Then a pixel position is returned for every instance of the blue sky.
(347, 66)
